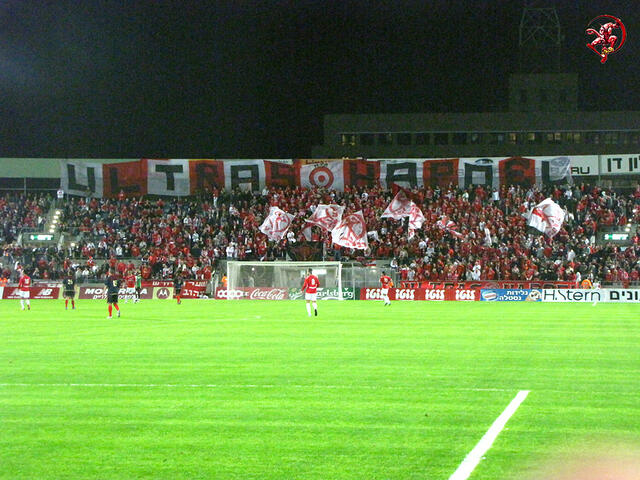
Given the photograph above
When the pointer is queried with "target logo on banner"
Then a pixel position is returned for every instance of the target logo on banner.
(321, 177)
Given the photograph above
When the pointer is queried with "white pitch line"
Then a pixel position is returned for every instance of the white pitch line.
(222, 385)
(471, 461)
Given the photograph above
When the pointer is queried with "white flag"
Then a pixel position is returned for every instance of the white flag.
(276, 224)
(547, 217)
(416, 219)
(399, 207)
(326, 216)
(351, 232)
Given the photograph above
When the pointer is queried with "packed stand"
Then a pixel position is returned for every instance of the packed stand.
(190, 235)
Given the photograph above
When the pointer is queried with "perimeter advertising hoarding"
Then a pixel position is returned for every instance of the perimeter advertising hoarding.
(510, 295)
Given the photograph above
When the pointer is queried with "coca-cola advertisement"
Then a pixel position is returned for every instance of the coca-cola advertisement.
(37, 292)
(253, 293)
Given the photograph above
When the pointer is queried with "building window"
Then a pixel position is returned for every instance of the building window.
(512, 138)
(385, 139)
(403, 138)
(534, 137)
(573, 137)
(611, 138)
(422, 138)
(475, 138)
(366, 139)
(592, 138)
(459, 138)
(441, 138)
(554, 137)
(348, 139)
(634, 137)
(497, 138)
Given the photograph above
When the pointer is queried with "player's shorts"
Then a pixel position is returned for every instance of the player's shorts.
(311, 296)
(385, 292)
(112, 298)
(177, 291)
(69, 293)
(24, 294)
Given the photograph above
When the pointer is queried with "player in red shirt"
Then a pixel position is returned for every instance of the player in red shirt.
(24, 284)
(310, 289)
(130, 281)
(387, 283)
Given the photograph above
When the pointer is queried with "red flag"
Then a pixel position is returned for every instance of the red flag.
(276, 224)
(547, 217)
(326, 216)
(399, 207)
(351, 232)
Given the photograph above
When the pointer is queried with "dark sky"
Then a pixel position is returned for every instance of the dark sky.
(238, 79)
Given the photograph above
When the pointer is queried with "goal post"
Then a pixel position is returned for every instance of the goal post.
(287, 275)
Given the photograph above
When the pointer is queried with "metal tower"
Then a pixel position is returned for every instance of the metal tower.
(540, 37)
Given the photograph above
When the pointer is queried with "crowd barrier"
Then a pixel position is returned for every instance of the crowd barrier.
(162, 290)
(151, 290)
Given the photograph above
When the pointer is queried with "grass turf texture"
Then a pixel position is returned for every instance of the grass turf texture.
(257, 390)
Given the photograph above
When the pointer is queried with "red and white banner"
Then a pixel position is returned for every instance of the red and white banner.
(449, 294)
(327, 174)
(326, 216)
(176, 177)
(351, 232)
(399, 207)
(252, 293)
(37, 292)
(491, 284)
(547, 217)
(194, 289)
(276, 224)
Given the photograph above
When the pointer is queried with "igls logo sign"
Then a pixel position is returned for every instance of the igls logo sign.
(465, 295)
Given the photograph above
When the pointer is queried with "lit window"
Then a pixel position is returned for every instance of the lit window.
(476, 138)
(348, 139)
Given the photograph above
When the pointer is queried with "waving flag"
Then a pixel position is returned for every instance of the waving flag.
(276, 224)
(399, 207)
(547, 217)
(326, 216)
(448, 226)
(351, 232)
(416, 219)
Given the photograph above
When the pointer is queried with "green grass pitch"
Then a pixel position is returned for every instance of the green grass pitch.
(257, 390)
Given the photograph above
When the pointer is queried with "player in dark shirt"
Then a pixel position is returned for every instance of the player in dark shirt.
(69, 286)
(177, 287)
(113, 287)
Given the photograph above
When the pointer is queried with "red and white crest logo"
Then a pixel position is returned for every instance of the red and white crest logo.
(351, 232)
(610, 35)
(326, 216)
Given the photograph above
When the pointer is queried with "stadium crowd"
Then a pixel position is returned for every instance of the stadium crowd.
(490, 239)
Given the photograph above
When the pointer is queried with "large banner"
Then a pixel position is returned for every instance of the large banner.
(180, 177)
(37, 292)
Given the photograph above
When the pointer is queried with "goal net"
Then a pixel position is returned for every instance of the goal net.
(289, 276)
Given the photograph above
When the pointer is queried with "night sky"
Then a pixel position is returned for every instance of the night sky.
(240, 79)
